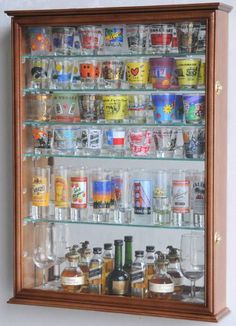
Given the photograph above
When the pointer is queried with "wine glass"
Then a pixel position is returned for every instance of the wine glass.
(192, 261)
(43, 255)
(60, 243)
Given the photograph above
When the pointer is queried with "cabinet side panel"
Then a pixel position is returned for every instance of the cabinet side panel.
(220, 159)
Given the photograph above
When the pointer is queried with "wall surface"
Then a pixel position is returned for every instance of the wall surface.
(29, 315)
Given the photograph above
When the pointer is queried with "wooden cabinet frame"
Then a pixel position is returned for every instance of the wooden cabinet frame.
(215, 15)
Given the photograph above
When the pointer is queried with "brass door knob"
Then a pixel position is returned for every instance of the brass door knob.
(218, 238)
(218, 87)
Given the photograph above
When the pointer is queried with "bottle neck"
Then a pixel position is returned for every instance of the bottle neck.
(118, 257)
(73, 263)
(128, 254)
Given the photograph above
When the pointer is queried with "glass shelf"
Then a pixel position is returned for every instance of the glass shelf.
(134, 224)
(95, 123)
(129, 91)
(147, 158)
(124, 55)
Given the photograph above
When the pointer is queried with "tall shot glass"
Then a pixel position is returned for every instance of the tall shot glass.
(40, 192)
(61, 190)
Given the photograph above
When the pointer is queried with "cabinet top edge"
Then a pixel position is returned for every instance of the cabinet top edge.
(110, 10)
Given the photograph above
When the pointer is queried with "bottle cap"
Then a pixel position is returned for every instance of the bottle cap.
(128, 238)
(139, 253)
(161, 258)
(118, 242)
(72, 255)
(97, 250)
(173, 253)
(108, 246)
(150, 248)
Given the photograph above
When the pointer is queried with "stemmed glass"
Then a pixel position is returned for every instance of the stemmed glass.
(192, 261)
(43, 255)
(60, 243)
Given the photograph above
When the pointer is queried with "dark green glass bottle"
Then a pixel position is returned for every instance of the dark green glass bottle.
(128, 258)
(118, 279)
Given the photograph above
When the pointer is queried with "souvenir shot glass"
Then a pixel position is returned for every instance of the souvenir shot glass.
(165, 141)
(63, 40)
(139, 105)
(40, 192)
(115, 141)
(115, 107)
(38, 107)
(198, 198)
(91, 39)
(194, 142)
(161, 72)
(194, 108)
(39, 40)
(161, 38)
(62, 73)
(61, 190)
(89, 107)
(113, 74)
(164, 108)
(140, 142)
(42, 139)
(65, 107)
(90, 73)
(137, 71)
(188, 37)
(115, 39)
(137, 38)
(38, 73)
(201, 46)
(123, 196)
(65, 139)
(101, 195)
(91, 141)
(188, 72)
(161, 198)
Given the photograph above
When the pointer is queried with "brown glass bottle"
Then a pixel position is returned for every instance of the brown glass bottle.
(108, 264)
(128, 258)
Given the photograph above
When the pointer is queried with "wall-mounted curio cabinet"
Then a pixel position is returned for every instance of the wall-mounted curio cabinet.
(120, 159)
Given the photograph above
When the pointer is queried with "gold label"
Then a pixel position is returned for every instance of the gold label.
(61, 192)
(40, 194)
(120, 287)
(161, 288)
(75, 280)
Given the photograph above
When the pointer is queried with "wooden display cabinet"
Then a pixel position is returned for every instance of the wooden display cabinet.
(214, 16)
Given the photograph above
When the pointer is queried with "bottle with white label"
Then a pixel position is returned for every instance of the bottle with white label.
(79, 194)
(161, 284)
(198, 198)
(72, 278)
(180, 198)
(137, 275)
(174, 270)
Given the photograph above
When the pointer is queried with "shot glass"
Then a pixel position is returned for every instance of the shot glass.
(201, 46)
(115, 141)
(65, 107)
(65, 139)
(91, 39)
(63, 40)
(38, 107)
(142, 195)
(188, 72)
(89, 107)
(38, 73)
(91, 141)
(113, 72)
(161, 197)
(115, 107)
(61, 190)
(90, 73)
(115, 39)
(42, 139)
(194, 108)
(138, 108)
(137, 72)
(194, 142)
(165, 141)
(161, 37)
(39, 40)
(161, 72)
(137, 37)
(140, 142)
(164, 108)
(62, 73)
(188, 37)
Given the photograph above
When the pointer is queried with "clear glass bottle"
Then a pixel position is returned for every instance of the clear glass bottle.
(118, 279)
(85, 256)
(108, 260)
(95, 271)
(138, 284)
(72, 278)
(128, 257)
(79, 194)
(161, 284)
(174, 270)
(149, 260)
